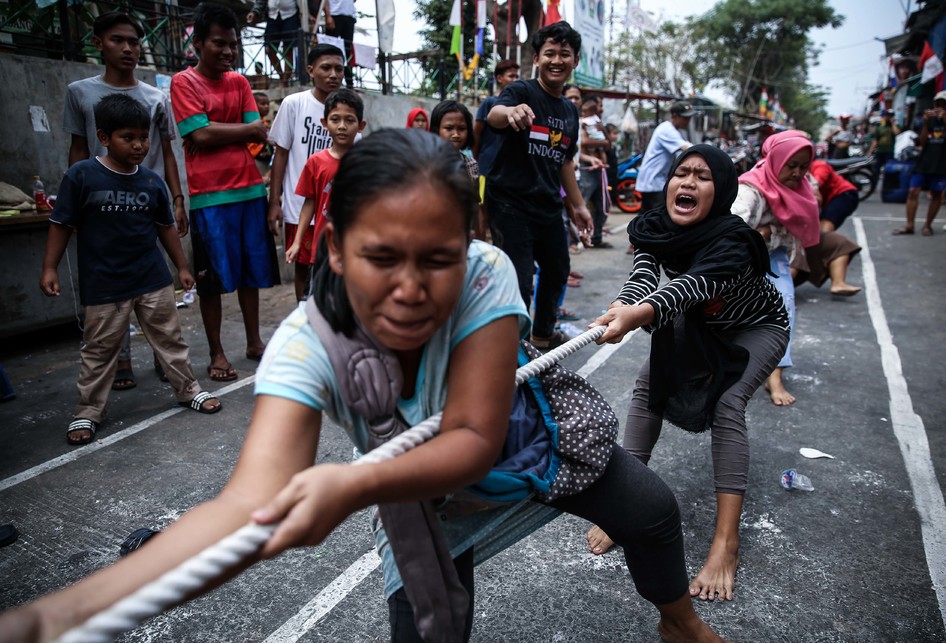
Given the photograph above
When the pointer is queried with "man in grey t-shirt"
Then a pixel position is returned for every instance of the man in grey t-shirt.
(118, 38)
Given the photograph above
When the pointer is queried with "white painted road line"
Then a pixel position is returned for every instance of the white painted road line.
(910, 433)
(602, 355)
(326, 600)
(81, 452)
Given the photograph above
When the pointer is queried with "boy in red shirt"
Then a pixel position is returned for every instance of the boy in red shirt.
(344, 119)
(233, 249)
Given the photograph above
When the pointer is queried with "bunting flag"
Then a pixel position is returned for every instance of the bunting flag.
(931, 65)
(764, 103)
(480, 26)
(892, 73)
(552, 14)
(455, 44)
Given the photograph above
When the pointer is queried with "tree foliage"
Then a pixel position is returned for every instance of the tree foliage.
(748, 45)
(661, 61)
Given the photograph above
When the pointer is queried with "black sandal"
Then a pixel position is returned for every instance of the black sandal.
(81, 424)
(124, 380)
(198, 403)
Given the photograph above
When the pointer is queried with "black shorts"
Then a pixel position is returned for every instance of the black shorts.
(283, 30)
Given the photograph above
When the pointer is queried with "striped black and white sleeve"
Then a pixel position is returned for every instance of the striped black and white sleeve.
(643, 280)
(679, 294)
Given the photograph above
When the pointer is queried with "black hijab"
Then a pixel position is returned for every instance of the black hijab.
(720, 244)
(691, 365)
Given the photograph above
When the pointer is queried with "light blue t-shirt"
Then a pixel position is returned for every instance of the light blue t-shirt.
(665, 141)
(296, 367)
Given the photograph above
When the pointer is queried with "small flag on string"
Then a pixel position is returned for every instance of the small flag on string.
(552, 14)
(480, 26)
(455, 21)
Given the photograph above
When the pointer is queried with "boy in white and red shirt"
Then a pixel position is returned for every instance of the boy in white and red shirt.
(233, 249)
(298, 133)
(344, 119)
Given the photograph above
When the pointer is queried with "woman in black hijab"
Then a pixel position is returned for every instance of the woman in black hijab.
(719, 328)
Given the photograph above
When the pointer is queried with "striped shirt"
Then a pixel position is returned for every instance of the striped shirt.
(734, 303)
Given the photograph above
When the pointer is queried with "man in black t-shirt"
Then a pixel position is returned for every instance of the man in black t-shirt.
(532, 167)
(930, 172)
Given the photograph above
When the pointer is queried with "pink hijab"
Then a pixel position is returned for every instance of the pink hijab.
(796, 209)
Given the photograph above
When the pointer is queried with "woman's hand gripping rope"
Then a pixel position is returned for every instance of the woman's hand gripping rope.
(306, 518)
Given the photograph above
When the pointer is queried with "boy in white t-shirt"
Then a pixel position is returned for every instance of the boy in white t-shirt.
(298, 133)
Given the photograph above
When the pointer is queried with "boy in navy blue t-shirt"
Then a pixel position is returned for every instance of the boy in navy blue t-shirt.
(118, 208)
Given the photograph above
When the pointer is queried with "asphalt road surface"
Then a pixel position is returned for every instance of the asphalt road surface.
(862, 558)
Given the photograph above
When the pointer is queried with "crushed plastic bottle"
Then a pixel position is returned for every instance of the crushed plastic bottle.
(569, 330)
(791, 479)
(189, 296)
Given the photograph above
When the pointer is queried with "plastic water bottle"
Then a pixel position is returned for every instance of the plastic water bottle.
(188, 297)
(791, 479)
(39, 194)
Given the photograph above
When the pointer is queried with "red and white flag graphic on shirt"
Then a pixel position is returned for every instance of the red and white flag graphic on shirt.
(539, 133)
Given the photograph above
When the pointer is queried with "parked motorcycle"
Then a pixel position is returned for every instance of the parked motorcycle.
(627, 198)
(744, 156)
(860, 171)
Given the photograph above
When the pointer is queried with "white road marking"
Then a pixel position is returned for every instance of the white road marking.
(326, 600)
(910, 433)
(602, 355)
(81, 452)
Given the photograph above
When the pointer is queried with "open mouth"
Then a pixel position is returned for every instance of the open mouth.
(684, 203)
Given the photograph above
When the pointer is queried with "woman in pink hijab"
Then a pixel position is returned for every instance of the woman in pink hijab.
(775, 198)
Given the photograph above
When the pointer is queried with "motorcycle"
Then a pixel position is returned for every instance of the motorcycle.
(627, 198)
(744, 156)
(860, 171)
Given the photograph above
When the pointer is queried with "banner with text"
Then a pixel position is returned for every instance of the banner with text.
(589, 22)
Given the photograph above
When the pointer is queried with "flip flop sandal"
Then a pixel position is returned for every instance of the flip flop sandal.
(81, 424)
(8, 535)
(135, 540)
(124, 380)
(900, 231)
(256, 357)
(229, 373)
(198, 403)
(927, 231)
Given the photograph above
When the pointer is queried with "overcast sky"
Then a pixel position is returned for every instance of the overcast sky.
(851, 64)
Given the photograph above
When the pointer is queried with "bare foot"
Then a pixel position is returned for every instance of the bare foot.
(598, 541)
(927, 231)
(718, 576)
(844, 289)
(670, 632)
(780, 396)
(679, 622)
(255, 351)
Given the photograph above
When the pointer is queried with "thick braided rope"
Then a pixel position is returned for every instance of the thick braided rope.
(171, 588)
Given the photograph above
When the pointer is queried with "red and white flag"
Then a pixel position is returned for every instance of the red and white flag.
(931, 64)
(539, 133)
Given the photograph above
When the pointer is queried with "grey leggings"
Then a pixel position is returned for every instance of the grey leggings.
(730, 437)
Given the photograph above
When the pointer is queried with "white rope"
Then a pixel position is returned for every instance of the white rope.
(171, 588)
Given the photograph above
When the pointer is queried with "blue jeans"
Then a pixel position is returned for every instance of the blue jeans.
(779, 264)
